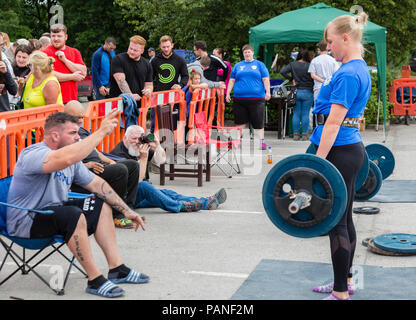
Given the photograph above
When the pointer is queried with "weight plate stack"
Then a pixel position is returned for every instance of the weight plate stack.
(403, 243)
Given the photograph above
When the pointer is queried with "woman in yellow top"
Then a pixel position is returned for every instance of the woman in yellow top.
(42, 88)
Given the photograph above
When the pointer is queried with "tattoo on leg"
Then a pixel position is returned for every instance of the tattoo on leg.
(78, 249)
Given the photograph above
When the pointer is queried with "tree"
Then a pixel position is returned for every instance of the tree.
(90, 22)
(226, 23)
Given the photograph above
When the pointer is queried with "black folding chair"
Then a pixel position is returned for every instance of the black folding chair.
(11, 244)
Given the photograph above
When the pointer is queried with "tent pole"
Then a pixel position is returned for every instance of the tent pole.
(378, 112)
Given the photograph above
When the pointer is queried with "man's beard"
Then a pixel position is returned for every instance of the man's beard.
(133, 152)
(58, 47)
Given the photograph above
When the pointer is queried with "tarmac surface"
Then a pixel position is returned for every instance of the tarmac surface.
(208, 255)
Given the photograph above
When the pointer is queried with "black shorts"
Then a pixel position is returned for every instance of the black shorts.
(65, 218)
(249, 111)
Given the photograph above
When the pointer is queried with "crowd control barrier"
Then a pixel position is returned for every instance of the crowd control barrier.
(403, 95)
(94, 115)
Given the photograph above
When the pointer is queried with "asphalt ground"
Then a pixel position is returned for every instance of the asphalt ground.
(207, 255)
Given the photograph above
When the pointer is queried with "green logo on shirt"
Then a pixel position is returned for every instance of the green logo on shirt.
(171, 76)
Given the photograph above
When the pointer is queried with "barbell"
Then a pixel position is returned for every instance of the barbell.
(305, 195)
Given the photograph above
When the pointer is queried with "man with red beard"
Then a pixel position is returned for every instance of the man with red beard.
(130, 72)
(69, 67)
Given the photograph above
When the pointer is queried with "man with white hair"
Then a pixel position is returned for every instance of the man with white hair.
(134, 146)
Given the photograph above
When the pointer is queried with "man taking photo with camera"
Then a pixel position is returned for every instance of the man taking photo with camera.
(144, 148)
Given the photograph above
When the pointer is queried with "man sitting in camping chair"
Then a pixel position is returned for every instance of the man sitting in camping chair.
(42, 177)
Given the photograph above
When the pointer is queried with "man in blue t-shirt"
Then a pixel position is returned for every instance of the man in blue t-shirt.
(100, 68)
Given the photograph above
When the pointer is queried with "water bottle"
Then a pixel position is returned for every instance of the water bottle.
(269, 156)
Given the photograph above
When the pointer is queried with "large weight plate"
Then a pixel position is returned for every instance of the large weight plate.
(362, 174)
(373, 248)
(383, 158)
(371, 185)
(335, 181)
(397, 242)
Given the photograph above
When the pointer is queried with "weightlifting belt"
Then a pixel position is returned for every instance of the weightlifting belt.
(348, 122)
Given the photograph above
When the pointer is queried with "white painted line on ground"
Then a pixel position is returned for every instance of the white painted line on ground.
(238, 211)
(219, 274)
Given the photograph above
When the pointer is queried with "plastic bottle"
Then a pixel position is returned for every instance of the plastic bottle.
(269, 156)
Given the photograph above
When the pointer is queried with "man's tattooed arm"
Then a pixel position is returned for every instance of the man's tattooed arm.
(124, 86)
(108, 195)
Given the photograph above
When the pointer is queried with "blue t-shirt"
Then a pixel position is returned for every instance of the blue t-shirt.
(349, 86)
(248, 79)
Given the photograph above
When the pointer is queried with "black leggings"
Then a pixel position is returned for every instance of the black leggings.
(348, 159)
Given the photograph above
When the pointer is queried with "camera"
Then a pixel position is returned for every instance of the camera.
(147, 138)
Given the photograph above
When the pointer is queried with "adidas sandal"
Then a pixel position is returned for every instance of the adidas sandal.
(107, 290)
(132, 277)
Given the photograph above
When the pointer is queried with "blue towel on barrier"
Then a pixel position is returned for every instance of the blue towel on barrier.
(131, 111)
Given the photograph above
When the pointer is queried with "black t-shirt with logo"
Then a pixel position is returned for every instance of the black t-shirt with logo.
(137, 73)
(166, 71)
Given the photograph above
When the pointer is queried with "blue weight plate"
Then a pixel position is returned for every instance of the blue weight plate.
(311, 149)
(396, 242)
(335, 180)
(383, 157)
(362, 174)
(372, 184)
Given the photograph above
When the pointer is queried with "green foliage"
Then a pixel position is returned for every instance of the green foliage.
(88, 29)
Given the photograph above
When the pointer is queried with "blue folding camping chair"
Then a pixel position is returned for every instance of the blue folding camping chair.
(28, 264)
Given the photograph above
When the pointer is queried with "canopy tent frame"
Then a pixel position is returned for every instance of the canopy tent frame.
(307, 25)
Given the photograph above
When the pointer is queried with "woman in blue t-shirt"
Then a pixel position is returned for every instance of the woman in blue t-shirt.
(339, 106)
(251, 83)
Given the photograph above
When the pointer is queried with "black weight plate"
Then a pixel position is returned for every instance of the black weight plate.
(366, 210)
(371, 185)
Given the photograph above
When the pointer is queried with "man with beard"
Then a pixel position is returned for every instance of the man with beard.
(130, 72)
(42, 178)
(201, 50)
(122, 176)
(169, 73)
(69, 67)
(133, 147)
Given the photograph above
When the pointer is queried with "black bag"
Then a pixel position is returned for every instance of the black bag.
(291, 96)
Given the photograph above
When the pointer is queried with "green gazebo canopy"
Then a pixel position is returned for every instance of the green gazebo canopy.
(308, 25)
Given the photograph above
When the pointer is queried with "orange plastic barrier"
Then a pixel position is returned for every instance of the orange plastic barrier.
(202, 100)
(162, 98)
(221, 107)
(94, 115)
(19, 129)
(403, 97)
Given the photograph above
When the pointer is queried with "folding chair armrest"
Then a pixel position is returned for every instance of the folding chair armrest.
(30, 210)
(76, 195)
